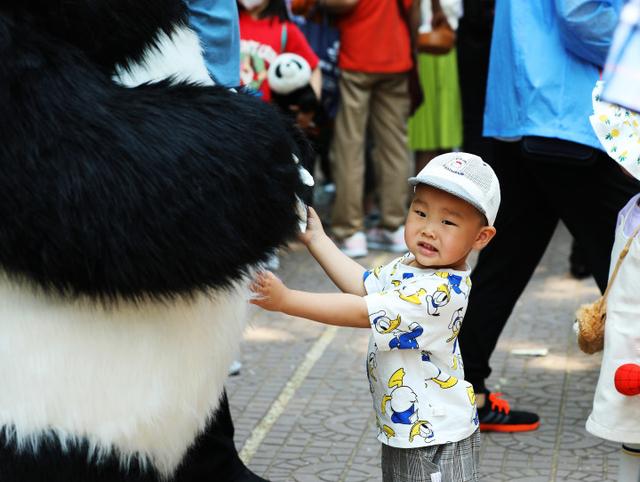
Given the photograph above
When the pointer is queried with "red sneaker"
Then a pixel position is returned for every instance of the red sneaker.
(497, 416)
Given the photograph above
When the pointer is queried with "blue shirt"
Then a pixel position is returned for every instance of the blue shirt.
(216, 23)
(545, 60)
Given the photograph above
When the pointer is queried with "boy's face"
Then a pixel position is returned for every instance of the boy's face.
(441, 229)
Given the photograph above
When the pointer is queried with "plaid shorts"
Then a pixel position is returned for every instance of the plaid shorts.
(452, 462)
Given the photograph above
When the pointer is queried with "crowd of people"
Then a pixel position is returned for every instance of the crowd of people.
(499, 92)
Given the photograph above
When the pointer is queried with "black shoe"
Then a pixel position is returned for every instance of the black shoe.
(577, 265)
(497, 416)
(249, 476)
(579, 271)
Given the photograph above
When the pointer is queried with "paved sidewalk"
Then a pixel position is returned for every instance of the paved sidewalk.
(302, 408)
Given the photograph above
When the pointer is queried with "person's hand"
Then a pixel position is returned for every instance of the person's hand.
(314, 229)
(305, 120)
(302, 7)
(269, 290)
(439, 19)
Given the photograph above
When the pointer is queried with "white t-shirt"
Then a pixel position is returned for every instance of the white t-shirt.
(414, 365)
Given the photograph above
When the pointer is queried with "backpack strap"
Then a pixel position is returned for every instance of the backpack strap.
(623, 254)
(283, 37)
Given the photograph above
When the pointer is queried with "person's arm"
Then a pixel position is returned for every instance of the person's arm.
(415, 19)
(316, 82)
(346, 273)
(586, 27)
(438, 16)
(217, 26)
(338, 309)
(338, 6)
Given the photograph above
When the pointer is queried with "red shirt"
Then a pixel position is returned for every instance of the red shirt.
(374, 38)
(261, 42)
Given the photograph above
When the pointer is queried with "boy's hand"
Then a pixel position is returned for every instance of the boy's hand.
(270, 291)
(314, 228)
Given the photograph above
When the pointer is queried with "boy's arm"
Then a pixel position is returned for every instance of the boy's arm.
(338, 309)
(346, 273)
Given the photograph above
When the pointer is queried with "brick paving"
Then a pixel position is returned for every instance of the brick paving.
(325, 428)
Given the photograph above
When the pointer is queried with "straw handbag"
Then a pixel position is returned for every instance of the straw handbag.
(438, 38)
(591, 317)
(438, 41)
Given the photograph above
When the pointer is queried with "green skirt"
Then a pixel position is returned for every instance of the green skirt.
(437, 124)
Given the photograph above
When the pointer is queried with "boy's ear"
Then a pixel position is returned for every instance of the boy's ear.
(485, 235)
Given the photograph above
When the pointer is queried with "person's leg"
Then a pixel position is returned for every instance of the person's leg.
(589, 197)
(629, 468)
(460, 461)
(450, 462)
(409, 465)
(323, 146)
(473, 46)
(214, 452)
(422, 158)
(577, 262)
(391, 160)
(348, 153)
(436, 127)
(524, 227)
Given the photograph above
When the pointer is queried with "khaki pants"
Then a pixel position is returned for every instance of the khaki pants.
(383, 101)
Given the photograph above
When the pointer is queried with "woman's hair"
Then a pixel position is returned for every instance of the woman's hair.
(275, 8)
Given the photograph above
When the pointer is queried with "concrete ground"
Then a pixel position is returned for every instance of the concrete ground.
(302, 408)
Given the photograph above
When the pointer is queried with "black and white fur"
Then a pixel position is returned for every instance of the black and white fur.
(135, 200)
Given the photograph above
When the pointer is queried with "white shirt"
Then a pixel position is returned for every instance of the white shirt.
(414, 365)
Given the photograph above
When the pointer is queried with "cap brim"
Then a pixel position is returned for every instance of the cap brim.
(450, 187)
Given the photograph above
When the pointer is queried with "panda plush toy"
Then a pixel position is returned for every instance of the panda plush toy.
(289, 77)
(136, 199)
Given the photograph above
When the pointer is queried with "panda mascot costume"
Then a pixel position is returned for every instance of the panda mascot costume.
(136, 200)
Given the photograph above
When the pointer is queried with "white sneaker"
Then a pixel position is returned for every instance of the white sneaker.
(273, 262)
(329, 188)
(355, 246)
(234, 368)
(386, 240)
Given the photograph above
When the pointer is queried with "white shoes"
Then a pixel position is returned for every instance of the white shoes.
(273, 262)
(355, 246)
(234, 368)
(378, 238)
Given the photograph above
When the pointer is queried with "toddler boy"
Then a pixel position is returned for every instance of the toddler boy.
(425, 410)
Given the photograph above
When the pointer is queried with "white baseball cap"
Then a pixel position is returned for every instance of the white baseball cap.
(465, 176)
